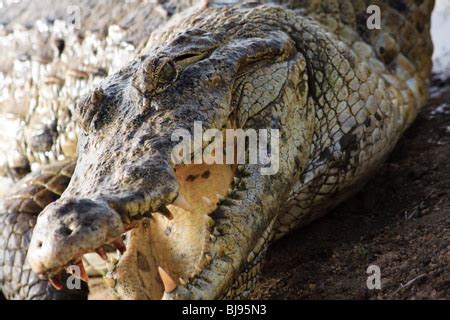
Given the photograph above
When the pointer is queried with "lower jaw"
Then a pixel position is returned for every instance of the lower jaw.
(179, 246)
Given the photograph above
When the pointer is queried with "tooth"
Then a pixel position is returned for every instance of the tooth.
(169, 284)
(207, 201)
(113, 260)
(109, 266)
(83, 274)
(109, 279)
(182, 281)
(181, 202)
(241, 168)
(236, 180)
(212, 237)
(119, 245)
(102, 253)
(219, 197)
(208, 258)
(165, 211)
(56, 282)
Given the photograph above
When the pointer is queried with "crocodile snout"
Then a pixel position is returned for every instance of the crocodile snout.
(67, 229)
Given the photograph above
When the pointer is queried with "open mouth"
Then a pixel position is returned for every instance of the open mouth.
(168, 247)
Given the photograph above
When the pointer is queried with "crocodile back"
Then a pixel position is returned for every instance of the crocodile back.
(402, 43)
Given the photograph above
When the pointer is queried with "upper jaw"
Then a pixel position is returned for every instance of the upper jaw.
(67, 229)
(71, 227)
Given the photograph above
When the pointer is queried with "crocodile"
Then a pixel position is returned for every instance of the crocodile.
(339, 93)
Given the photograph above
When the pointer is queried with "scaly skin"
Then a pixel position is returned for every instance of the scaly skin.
(45, 72)
(31, 195)
(340, 94)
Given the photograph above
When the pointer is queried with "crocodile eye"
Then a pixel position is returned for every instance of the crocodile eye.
(167, 72)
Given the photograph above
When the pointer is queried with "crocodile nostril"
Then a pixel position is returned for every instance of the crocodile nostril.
(67, 231)
(39, 244)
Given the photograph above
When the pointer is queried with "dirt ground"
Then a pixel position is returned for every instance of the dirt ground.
(400, 222)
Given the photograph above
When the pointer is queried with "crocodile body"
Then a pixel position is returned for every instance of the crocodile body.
(340, 95)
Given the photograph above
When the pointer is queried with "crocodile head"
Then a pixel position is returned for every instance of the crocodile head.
(221, 74)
